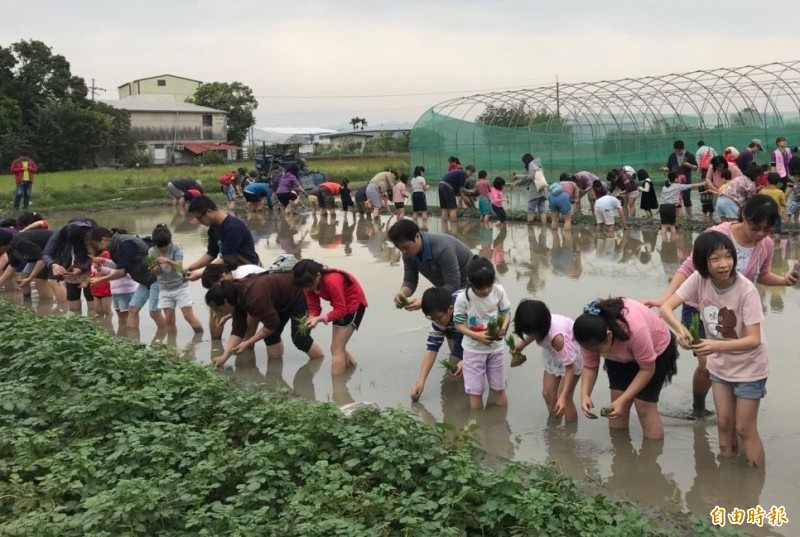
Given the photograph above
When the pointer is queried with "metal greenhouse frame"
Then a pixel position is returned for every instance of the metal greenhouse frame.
(609, 123)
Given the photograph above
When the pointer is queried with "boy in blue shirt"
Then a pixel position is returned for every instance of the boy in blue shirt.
(437, 305)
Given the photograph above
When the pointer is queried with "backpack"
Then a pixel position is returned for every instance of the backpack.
(283, 263)
(555, 188)
(227, 179)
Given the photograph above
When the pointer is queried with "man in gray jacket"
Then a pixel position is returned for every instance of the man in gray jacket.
(442, 259)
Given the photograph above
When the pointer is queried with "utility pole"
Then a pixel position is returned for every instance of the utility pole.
(94, 89)
(558, 100)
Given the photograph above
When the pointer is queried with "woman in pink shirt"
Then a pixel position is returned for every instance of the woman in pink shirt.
(640, 355)
(733, 344)
(754, 249)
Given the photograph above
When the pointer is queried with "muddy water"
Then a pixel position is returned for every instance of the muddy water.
(565, 271)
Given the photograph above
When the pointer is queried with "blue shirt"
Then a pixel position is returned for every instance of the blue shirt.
(262, 189)
(456, 178)
(232, 237)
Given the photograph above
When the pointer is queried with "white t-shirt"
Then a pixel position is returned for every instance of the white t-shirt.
(607, 203)
(418, 184)
(476, 312)
(246, 270)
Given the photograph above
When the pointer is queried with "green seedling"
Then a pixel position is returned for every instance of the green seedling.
(151, 261)
(302, 325)
(494, 326)
(449, 366)
(517, 358)
(401, 299)
(694, 329)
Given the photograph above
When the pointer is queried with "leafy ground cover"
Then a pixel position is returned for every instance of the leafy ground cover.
(103, 436)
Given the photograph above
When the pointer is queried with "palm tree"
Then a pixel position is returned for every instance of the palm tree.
(363, 123)
(355, 121)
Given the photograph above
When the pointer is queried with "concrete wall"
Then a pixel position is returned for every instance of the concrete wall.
(180, 126)
(175, 88)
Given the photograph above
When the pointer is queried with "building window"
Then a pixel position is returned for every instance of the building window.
(158, 146)
(162, 82)
(207, 120)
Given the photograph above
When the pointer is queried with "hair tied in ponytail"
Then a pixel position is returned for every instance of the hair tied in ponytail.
(592, 308)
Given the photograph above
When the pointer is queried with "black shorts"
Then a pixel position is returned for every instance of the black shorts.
(708, 207)
(351, 319)
(668, 214)
(74, 292)
(418, 202)
(447, 197)
(621, 374)
(297, 310)
(686, 196)
(251, 198)
(286, 198)
(500, 213)
(399, 205)
(45, 274)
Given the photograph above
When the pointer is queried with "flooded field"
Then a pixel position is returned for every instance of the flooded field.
(565, 271)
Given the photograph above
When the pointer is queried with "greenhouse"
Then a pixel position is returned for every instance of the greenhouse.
(601, 125)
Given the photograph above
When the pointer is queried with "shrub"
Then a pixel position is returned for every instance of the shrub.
(105, 436)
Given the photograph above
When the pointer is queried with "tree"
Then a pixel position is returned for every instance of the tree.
(363, 123)
(355, 122)
(44, 111)
(234, 98)
(520, 115)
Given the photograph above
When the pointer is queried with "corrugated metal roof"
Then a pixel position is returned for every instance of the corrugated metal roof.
(199, 148)
(133, 105)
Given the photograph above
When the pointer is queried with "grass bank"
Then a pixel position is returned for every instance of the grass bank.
(103, 436)
(109, 188)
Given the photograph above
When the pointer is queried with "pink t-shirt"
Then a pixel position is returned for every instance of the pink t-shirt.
(482, 187)
(571, 188)
(497, 197)
(570, 353)
(399, 192)
(649, 337)
(758, 264)
(725, 314)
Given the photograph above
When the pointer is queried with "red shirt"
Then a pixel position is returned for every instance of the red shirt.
(334, 188)
(339, 288)
(100, 290)
(18, 169)
(761, 182)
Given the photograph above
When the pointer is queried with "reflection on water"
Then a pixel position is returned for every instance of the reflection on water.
(562, 269)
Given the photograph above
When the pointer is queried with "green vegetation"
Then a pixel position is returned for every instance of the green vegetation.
(233, 97)
(46, 113)
(104, 188)
(104, 436)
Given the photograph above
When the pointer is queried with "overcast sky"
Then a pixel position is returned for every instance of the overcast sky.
(319, 63)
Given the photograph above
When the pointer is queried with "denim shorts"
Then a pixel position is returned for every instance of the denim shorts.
(727, 208)
(229, 191)
(793, 208)
(145, 295)
(537, 205)
(561, 204)
(121, 302)
(755, 389)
